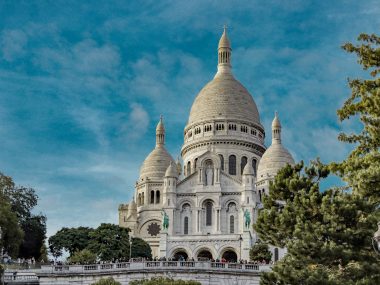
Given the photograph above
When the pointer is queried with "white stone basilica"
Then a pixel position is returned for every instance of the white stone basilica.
(207, 210)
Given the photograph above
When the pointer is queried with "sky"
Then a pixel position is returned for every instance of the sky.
(83, 84)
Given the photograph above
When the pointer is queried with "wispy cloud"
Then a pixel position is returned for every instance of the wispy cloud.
(82, 86)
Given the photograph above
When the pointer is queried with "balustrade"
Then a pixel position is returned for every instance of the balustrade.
(154, 265)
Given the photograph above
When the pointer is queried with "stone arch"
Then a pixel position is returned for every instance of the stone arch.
(209, 156)
(227, 202)
(186, 201)
(201, 248)
(180, 248)
(229, 253)
(201, 202)
(232, 164)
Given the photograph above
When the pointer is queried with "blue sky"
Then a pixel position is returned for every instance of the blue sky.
(82, 85)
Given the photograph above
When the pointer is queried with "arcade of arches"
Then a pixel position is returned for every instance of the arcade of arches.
(205, 254)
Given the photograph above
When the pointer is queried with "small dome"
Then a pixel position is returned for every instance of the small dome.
(171, 171)
(276, 122)
(274, 158)
(156, 163)
(224, 42)
(248, 170)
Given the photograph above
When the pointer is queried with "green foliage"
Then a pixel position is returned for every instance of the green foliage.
(163, 281)
(83, 257)
(328, 234)
(109, 242)
(34, 228)
(69, 239)
(140, 248)
(11, 232)
(106, 281)
(22, 200)
(259, 252)
(43, 254)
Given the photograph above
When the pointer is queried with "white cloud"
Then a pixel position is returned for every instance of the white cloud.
(13, 44)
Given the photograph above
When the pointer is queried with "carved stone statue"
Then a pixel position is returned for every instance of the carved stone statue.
(165, 220)
(209, 175)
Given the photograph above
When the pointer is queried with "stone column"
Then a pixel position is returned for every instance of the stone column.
(163, 244)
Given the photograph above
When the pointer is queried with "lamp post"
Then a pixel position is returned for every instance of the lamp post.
(2, 270)
(240, 239)
(376, 239)
(130, 247)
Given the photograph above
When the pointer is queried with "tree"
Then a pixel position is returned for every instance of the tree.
(22, 200)
(69, 239)
(140, 248)
(163, 281)
(109, 242)
(11, 232)
(34, 228)
(106, 281)
(328, 233)
(83, 257)
(259, 252)
(43, 254)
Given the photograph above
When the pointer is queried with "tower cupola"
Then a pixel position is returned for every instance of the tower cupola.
(160, 133)
(224, 53)
(276, 129)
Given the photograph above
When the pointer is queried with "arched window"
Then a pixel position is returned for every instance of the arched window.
(195, 163)
(157, 197)
(276, 254)
(152, 197)
(188, 168)
(208, 213)
(221, 161)
(139, 200)
(232, 224)
(254, 163)
(186, 226)
(232, 165)
(243, 163)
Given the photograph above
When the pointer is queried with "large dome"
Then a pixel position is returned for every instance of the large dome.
(156, 163)
(224, 98)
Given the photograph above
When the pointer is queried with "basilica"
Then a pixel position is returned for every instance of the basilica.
(203, 206)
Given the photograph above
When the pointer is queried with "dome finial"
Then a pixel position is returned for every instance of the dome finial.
(160, 132)
(276, 129)
(224, 53)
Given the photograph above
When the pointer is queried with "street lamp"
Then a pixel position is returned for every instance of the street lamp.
(240, 239)
(376, 239)
(130, 247)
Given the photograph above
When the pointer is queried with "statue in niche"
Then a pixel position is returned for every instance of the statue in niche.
(209, 175)
(165, 220)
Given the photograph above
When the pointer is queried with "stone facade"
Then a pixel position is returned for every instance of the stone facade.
(209, 203)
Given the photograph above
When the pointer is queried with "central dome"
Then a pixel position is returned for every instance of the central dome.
(224, 98)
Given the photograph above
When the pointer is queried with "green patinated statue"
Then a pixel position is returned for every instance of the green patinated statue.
(165, 220)
(247, 219)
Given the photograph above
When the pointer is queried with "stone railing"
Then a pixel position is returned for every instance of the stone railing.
(20, 278)
(154, 266)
